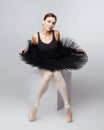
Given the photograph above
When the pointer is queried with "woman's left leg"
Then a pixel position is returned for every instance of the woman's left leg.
(61, 86)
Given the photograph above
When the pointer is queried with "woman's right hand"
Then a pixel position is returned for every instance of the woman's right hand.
(24, 50)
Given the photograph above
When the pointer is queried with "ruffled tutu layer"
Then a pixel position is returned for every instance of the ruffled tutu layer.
(67, 56)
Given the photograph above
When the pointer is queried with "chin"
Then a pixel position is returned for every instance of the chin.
(48, 29)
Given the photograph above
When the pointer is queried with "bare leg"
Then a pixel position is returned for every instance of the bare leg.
(61, 86)
(47, 75)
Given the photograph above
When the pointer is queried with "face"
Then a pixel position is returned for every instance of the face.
(49, 23)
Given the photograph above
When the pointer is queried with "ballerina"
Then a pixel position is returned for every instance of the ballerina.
(51, 55)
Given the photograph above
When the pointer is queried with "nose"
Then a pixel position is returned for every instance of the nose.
(51, 25)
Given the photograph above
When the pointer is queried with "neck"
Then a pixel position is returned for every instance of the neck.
(45, 32)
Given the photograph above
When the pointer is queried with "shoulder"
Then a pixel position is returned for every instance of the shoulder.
(35, 38)
(57, 35)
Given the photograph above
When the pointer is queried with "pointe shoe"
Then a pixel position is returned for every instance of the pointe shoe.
(33, 112)
(68, 113)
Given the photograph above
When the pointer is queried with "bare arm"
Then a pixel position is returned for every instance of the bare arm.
(34, 40)
(57, 35)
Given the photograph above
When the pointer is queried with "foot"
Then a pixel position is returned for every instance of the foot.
(33, 112)
(68, 113)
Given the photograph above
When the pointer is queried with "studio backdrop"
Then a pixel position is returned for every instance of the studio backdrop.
(81, 20)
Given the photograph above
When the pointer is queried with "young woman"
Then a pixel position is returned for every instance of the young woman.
(47, 52)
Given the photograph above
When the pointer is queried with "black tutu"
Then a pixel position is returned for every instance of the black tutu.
(67, 56)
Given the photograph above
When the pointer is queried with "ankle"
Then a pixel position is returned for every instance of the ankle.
(36, 102)
(33, 111)
(68, 112)
(67, 105)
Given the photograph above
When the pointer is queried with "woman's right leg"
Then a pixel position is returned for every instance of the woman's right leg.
(47, 75)
(44, 84)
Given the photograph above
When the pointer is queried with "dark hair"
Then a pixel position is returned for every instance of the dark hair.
(50, 15)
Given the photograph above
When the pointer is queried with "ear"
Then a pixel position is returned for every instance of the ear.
(43, 22)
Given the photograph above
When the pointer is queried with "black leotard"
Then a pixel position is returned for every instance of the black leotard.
(48, 51)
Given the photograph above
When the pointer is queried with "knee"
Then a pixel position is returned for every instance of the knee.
(58, 76)
(48, 75)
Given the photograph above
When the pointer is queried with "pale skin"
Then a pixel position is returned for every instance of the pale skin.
(46, 37)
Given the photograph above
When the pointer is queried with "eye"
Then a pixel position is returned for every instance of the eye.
(53, 23)
(49, 21)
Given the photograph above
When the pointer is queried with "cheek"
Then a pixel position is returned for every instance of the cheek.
(46, 23)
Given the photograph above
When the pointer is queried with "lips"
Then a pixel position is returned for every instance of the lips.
(49, 28)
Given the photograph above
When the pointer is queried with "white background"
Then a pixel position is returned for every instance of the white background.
(80, 19)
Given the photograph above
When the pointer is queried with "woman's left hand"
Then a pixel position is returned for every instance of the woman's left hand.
(81, 50)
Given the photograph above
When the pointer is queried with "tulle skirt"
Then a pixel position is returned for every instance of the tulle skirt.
(67, 56)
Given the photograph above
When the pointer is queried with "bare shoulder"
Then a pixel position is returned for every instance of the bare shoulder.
(57, 35)
(35, 38)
